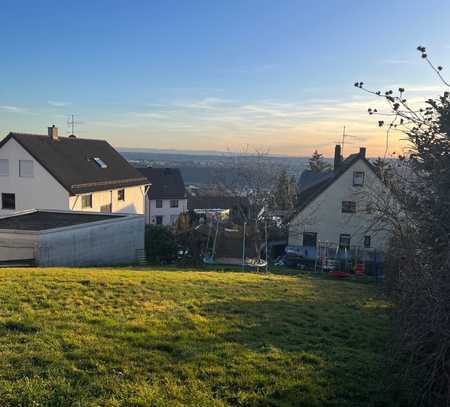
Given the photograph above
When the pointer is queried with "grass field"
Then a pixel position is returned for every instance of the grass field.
(97, 337)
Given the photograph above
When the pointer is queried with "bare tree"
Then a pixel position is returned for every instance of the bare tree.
(253, 187)
(419, 257)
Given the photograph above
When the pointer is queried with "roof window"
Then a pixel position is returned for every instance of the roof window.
(100, 162)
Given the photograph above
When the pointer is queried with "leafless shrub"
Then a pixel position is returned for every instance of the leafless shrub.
(418, 261)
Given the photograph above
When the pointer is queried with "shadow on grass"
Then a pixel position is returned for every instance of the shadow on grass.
(321, 353)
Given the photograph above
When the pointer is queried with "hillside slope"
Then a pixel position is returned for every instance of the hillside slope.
(81, 337)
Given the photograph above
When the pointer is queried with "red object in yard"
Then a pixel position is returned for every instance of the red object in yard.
(360, 269)
(338, 274)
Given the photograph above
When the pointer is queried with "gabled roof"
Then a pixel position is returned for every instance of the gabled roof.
(166, 183)
(217, 202)
(307, 195)
(72, 162)
(309, 178)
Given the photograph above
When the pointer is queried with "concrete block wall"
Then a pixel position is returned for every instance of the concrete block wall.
(17, 245)
(111, 242)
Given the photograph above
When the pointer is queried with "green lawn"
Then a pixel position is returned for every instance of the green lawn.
(118, 337)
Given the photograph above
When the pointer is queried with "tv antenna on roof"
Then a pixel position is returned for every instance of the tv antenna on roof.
(72, 123)
(342, 141)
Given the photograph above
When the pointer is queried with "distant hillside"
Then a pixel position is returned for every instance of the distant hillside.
(206, 168)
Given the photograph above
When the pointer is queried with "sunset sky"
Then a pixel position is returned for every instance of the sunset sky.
(215, 75)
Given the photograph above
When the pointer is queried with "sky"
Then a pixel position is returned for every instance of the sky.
(216, 75)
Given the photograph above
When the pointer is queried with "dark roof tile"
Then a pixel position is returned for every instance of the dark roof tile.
(71, 162)
(166, 183)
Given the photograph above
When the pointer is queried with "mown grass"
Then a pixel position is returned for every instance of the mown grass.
(97, 337)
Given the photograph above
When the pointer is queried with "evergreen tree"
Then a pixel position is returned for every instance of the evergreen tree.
(317, 163)
(293, 191)
(285, 194)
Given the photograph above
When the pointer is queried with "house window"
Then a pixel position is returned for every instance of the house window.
(121, 195)
(174, 203)
(358, 178)
(367, 242)
(344, 241)
(8, 201)
(26, 168)
(86, 201)
(159, 203)
(159, 220)
(173, 219)
(348, 207)
(4, 168)
(106, 208)
(309, 239)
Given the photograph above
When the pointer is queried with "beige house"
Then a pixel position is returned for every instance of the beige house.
(67, 173)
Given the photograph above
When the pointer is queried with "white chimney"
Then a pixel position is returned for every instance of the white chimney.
(53, 132)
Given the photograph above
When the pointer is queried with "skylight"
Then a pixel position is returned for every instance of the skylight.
(100, 162)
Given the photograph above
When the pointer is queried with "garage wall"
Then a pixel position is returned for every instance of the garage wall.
(111, 242)
(17, 246)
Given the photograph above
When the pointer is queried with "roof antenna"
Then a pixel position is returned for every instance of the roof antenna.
(72, 123)
(342, 141)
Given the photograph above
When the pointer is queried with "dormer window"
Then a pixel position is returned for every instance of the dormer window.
(100, 162)
(358, 178)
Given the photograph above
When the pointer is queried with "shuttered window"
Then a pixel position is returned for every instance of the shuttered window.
(4, 168)
(26, 168)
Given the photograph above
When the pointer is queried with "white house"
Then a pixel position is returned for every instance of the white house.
(166, 198)
(337, 206)
(67, 173)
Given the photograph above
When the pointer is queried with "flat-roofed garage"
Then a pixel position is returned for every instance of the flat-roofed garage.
(64, 238)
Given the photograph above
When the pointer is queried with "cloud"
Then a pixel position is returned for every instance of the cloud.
(429, 89)
(205, 103)
(58, 104)
(293, 127)
(398, 62)
(12, 109)
(149, 115)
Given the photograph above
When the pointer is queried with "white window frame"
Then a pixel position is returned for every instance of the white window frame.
(25, 172)
(4, 167)
(358, 175)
